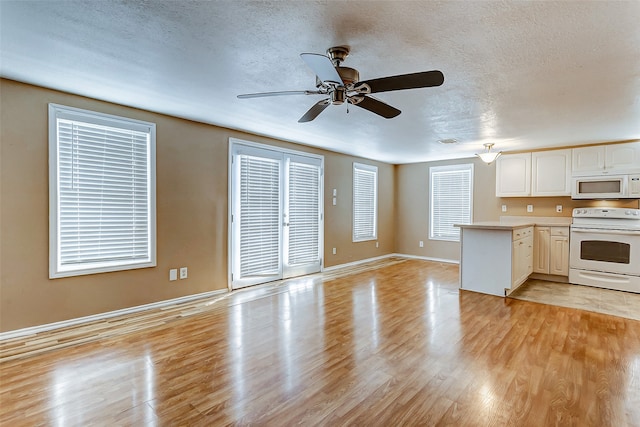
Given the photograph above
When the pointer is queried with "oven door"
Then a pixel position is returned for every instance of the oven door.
(613, 251)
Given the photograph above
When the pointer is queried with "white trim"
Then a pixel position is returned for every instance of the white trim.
(364, 261)
(101, 316)
(275, 148)
(233, 146)
(366, 168)
(354, 263)
(426, 258)
(462, 167)
(57, 111)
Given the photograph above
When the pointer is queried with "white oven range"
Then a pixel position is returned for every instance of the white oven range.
(605, 248)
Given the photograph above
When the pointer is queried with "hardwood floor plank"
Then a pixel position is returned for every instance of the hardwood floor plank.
(390, 344)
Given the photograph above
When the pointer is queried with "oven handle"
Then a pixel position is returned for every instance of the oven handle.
(601, 231)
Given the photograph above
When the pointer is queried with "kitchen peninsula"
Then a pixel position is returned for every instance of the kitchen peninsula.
(498, 256)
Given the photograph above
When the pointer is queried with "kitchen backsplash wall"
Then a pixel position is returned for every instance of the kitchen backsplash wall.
(546, 206)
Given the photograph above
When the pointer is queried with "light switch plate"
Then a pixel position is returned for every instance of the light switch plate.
(173, 274)
(335, 192)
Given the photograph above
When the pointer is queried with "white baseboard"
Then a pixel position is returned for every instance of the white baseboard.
(354, 263)
(364, 261)
(101, 316)
(426, 258)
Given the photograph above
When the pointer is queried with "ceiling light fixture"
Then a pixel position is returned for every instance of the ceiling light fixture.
(489, 156)
(448, 141)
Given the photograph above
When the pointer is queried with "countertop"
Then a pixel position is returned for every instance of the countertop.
(515, 222)
(496, 225)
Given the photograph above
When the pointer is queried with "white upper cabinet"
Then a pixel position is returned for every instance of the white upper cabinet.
(587, 159)
(606, 159)
(550, 173)
(513, 175)
(539, 174)
(623, 158)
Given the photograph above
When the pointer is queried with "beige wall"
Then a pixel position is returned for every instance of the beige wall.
(412, 195)
(191, 213)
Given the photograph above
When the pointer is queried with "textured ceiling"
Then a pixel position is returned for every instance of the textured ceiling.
(520, 74)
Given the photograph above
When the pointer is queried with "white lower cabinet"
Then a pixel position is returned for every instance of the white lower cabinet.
(522, 256)
(494, 259)
(551, 250)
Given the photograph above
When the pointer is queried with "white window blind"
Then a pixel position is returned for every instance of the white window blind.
(365, 200)
(102, 192)
(259, 216)
(304, 213)
(451, 200)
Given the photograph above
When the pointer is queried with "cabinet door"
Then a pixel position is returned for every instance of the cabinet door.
(541, 250)
(551, 173)
(528, 258)
(559, 255)
(516, 262)
(522, 261)
(622, 157)
(513, 175)
(587, 159)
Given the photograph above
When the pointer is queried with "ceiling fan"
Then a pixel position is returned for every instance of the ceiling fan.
(342, 84)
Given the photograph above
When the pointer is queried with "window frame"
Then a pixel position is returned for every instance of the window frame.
(464, 167)
(56, 269)
(357, 167)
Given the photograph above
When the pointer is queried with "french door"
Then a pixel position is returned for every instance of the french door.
(276, 214)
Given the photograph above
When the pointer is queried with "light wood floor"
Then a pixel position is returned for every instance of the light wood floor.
(394, 345)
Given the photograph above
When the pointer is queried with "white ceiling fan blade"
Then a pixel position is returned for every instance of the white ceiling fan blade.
(286, 92)
(323, 67)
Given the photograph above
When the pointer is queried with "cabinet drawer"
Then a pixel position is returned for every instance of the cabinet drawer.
(521, 233)
(560, 231)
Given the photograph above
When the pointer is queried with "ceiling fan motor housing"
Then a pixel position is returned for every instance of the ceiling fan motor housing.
(348, 75)
(338, 95)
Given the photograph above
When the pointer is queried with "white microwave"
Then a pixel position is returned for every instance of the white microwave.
(606, 187)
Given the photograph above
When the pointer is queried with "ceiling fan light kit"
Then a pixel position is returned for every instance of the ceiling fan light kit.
(342, 84)
(489, 156)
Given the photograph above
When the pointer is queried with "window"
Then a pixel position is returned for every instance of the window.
(365, 202)
(101, 193)
(451, 200)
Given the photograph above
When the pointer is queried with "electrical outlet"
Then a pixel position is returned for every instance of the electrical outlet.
(558, 208)
(529, 208)
(334, 251)
(173, 274)
(421, 244)
(335, 192)
(504, 208)
(183, 273)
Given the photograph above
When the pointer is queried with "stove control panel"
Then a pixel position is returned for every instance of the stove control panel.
(620, 213)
